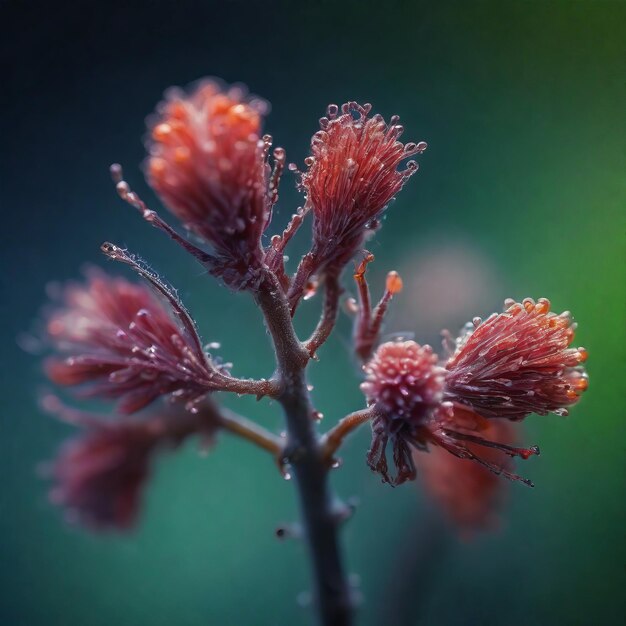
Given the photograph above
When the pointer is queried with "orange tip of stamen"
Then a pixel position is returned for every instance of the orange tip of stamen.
(394, 283)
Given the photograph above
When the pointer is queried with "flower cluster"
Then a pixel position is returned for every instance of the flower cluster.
(209, 164)
(120, 340)
(512, 364)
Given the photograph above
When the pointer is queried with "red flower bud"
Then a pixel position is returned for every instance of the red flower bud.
(518, 362)
(100, 475)
(405, 383)
(352, 175)
(209, 164)
(123, 342)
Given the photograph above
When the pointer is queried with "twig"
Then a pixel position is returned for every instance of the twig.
(245, 428)
(333, 439)
(329, 315)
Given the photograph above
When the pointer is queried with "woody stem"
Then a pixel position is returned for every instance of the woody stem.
(306, 456)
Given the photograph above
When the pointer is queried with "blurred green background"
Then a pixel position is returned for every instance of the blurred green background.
(521, 192)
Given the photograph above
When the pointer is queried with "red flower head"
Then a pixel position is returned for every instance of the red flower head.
(209, 164)
(469, 493)
(123, 342)
(405, 384)
(352, 175)
(518, 362)
(101, 474)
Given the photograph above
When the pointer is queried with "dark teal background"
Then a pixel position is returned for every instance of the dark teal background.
(521, 192)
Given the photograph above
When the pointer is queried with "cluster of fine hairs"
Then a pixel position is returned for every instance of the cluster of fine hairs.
(448, 417)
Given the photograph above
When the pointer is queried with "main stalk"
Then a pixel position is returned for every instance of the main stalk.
(308, 463)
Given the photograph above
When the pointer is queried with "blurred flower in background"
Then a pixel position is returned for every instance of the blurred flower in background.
(442, 283)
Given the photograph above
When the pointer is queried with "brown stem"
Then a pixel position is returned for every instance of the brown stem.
(304, 453)
(259, 388)
(333, 439)
(251, 431)
(152, 217)
(329, 315)
(307, 267)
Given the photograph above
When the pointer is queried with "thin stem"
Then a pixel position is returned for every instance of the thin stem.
(365, 305)
(333, 439)
(329, 315)
(307, 267)
(369, 323)
(275, 253)
(246, 429)
(305, 455)
(258, 388)
(128, 195)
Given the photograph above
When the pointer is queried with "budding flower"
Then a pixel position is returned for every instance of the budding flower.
(123, 341)
(209, 164)
(405, 383)
(100, 475)
(518, 362)
(352, 175)
(405, 386)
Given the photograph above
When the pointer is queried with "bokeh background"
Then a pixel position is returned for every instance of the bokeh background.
(521, 192)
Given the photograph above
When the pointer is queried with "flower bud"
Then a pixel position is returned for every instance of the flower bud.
(352, 175)
(405, 383)
(122, 341)
(517, 362)
(209, 164)
(100, 475)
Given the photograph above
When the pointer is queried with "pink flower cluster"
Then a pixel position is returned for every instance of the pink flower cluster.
(136, 343)
(514, 363)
